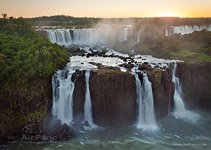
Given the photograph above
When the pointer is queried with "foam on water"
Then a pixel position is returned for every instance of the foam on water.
(180, 111)
(146, 116)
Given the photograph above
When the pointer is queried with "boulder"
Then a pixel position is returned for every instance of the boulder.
(144, 66)
(127, 66)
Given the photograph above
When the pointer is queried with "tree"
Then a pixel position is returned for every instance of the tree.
(4, 15)
(2, 56)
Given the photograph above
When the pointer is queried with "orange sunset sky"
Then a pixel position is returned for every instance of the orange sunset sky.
(107, 8)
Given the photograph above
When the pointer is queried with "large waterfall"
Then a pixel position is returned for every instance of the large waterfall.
(68, 37)
(89, 37)
(63, 88)
(185, 29)
(146, 117)
(179, 106)
(88, 102)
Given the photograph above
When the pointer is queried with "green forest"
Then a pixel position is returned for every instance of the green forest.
(24, 55)
(27, 63)
(62, 20)
(195, 47)
(68, 21)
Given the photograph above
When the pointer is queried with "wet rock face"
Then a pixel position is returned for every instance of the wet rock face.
(196, 83)
(79, 94)
(113, 97)
(163, 91)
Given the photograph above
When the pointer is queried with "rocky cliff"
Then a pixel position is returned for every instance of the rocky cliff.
(196, 83)
(113, 95)
(163, 91)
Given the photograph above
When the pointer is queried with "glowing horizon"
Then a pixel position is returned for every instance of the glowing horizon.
(108, 8)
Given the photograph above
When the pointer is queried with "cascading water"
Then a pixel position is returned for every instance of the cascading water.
(179, 106)
(138, 38)
(60, 36)
(63, 89)
(88, 103)
(67, 37)
(185, 29)
(87, 37)
(146, 117)
(125, 34)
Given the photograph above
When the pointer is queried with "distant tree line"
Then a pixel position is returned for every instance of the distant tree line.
(62, 20)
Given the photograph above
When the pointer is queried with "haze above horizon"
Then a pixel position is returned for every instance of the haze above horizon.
(107, 8)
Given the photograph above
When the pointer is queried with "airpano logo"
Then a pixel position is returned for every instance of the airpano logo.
(38, 137)
(33, 132)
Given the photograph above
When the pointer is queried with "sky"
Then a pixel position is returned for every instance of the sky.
(107, 8)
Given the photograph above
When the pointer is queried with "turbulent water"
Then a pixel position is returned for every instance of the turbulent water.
(88, 37)
(63, 88)
(88, 103)
(146, 116)
(173, 134)
(182, 130)
(179, 106)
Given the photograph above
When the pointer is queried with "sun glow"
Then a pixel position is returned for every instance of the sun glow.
(168, 14)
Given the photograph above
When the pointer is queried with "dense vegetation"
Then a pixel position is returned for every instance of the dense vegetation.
(27, 63)
(195, 47)
(62, 20)
(69, 21)
(192, 47)
(24, 55)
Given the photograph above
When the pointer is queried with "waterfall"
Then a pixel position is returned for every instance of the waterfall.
(60, 36)
(88, 37)
(185, 29)
(179, 106)
(88, 103)
(63, 89)
(68, 37)
(138, 38)
(146, 117)
(125, 34)
(139, 96)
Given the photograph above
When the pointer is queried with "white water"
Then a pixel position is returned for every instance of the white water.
(125, 34)
(185, 29)
(138, 38)
(68, 37)
(146, 117)
(88, 103)
(90, 37)
(179, 106)
(63, 89)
